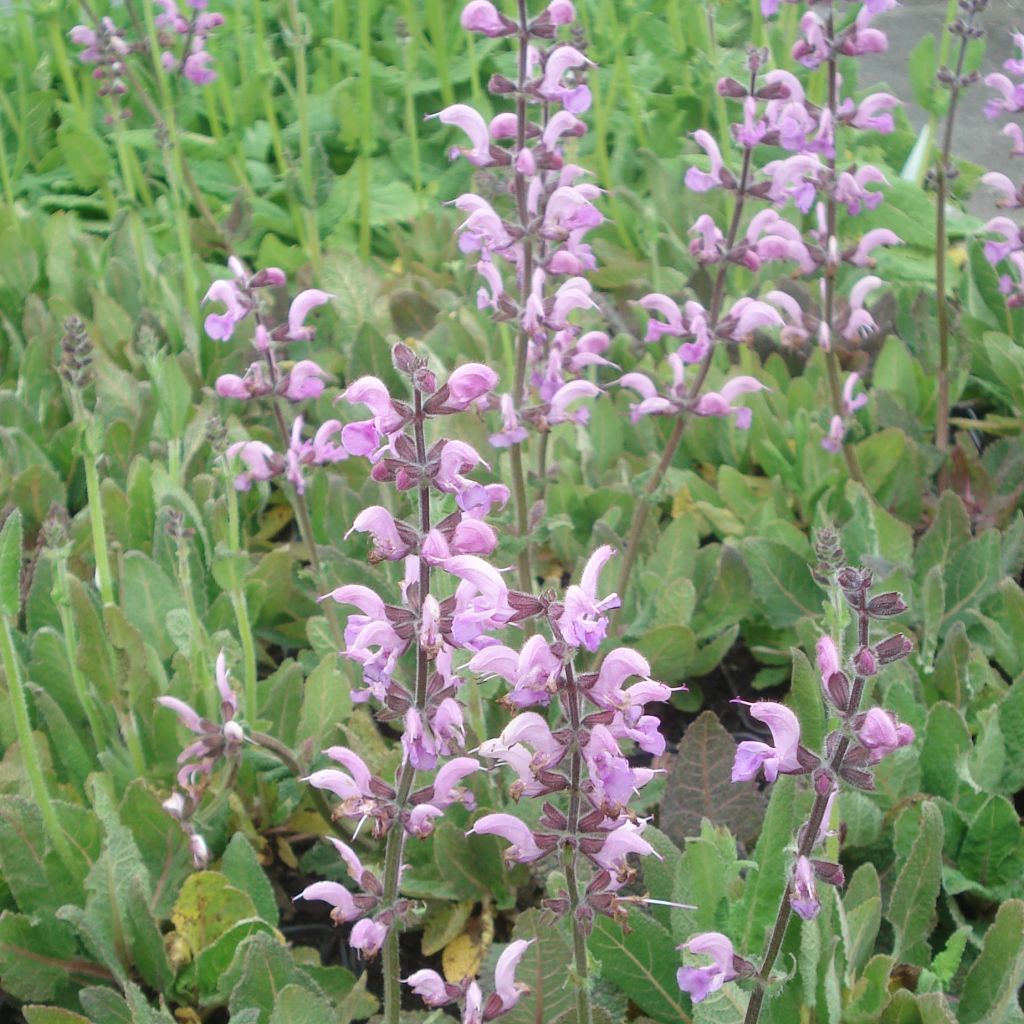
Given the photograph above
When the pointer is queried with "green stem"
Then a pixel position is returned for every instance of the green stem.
(67, 622)
(942, 306)
(97, 521)
(396, 835)
(366, 140)
(29, 753)
(672, 445)
(831, 216)
(570, 854)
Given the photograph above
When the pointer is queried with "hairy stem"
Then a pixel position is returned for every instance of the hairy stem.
(942, 175)
(571, 853)
(97, 521)
(831, 215)
(525, 274)
(396, 836)
(808, 836)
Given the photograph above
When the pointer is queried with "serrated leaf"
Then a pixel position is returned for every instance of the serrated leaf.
(298, 1005)
(670, 651)
(642, 963)
(148, 595)
(545, 968)
(994, 979)
(992, 852)
(698, 786)
(949, 532)
(911, 907)
(754, 914)
(52, 1015)
(782, 582)
(40, 960)
(946, 739)
(326, 701)
(945, 964)
(861, 917)
(244, 871)
(262, 967)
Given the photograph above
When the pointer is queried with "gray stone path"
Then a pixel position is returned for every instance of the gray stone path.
(975, 138)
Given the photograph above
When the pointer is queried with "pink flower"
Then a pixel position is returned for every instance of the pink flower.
(472, 123)
(220, 326)
(582, 622)
(429, 985)
(260, 459)
(828, 658)
(482, 16)
(388, 544)
(506, 988)
(300, 308)
(700, 982)
(197, 70)
(702, 181)
(337, 896)
(881, 734)
(752, 755)
(861, 256)
(804, 895)
(551, 87)
(673, 323)
(618, 844)
(306, 380)
(523, 848)
(833, 440)
(532, 673)
(469, 385)
(720, 403)
(367, 936)
(558, 411)
(447, 790)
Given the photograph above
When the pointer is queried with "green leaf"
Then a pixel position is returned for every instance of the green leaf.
(1011, 724)
(202, 977)
(545, 967)
(782, 582)
(728, 599)
(950, 678)
(261, 969)
(326, 701)
(945, 964)
(992, 852)
(922, 63)
(699, 786)
(643, 963)
(726, 1006)
(148, 594)
(992, 983)
(244, 871)
(10, 565)
(949, 532)
(861, 917)
(670, 650)
(971, 575)
(52, 1015)
(806, 700)
(754, 914)
(946, 740)
(705, 877)
(208, 906)
(298, 1005)
(911, 907)
(40, 960)
(474, 865)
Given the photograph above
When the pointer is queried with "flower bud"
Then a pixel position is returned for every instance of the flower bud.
(885, 605)
(500, 85)
(731, 89)
(893, 648)
(864, 662)
(837, 689)
(829, 873)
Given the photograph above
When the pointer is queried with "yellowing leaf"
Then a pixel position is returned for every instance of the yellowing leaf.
(462, 958)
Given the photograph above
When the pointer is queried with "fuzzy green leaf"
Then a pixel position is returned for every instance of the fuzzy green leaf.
(911, 907)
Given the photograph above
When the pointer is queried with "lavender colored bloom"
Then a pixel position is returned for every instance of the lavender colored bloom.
(700, 982)
(343, 906)
(881, 734)
(482, 16)
(804, 895)
(752, 755)
(368, 936)
(523, 848)
(472, 123)
(721, 403)
(300, 308)
(582, 623)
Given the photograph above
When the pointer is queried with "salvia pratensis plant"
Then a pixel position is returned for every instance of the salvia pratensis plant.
(776, 112)
(858, 741)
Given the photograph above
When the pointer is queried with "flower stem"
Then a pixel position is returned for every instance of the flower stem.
(942, 176)
(809, 833)
(29, 753)
(396, 835)
(96, 519)
(571, 853)
(672, 445)
(525, 274)
(831, 212)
